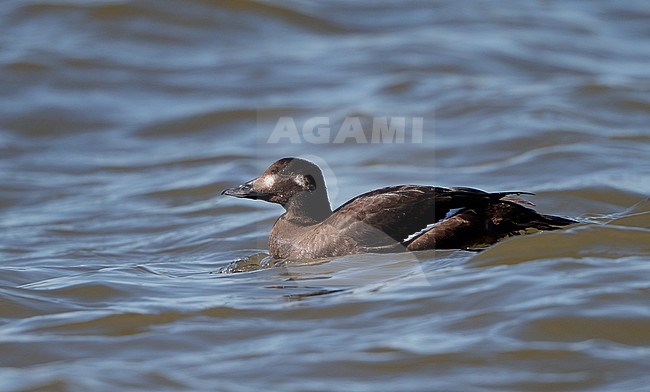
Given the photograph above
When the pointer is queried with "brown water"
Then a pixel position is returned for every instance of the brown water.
(121, 121)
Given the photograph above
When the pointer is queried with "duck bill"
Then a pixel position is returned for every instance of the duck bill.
(244, 191)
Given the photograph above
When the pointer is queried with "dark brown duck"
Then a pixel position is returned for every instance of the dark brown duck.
(392, 219)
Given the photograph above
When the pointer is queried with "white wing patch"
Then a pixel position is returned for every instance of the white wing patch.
(451, 213)
(417, 233)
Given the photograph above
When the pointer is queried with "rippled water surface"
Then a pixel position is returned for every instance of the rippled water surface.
(123, 269)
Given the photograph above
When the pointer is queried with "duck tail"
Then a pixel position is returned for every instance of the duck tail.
(500, 195)
(548, 222)
(558, 220)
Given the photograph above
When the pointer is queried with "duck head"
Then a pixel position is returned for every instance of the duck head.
(296, 184)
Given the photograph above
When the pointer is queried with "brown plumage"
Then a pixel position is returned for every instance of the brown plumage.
(392, 219)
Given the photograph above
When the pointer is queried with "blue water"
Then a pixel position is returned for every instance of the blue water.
(121, 122)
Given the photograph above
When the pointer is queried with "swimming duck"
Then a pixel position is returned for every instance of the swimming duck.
(392, 219)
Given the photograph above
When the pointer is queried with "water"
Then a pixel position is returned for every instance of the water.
(120, 123)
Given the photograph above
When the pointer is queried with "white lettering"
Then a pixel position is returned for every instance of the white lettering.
(416, 130)
(351, 129)
(316, 130)
(388, 132)
(284, 128)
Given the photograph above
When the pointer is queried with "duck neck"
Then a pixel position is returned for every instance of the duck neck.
(308, 208)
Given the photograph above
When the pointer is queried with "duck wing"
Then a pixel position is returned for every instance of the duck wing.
(479, 227)
(389, 216)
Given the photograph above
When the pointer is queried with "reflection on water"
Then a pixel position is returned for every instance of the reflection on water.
(122, 268)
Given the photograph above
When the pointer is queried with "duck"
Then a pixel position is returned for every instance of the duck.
(400, 218)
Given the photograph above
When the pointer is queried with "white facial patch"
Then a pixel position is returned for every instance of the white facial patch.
(268, 181)
(300, 180)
